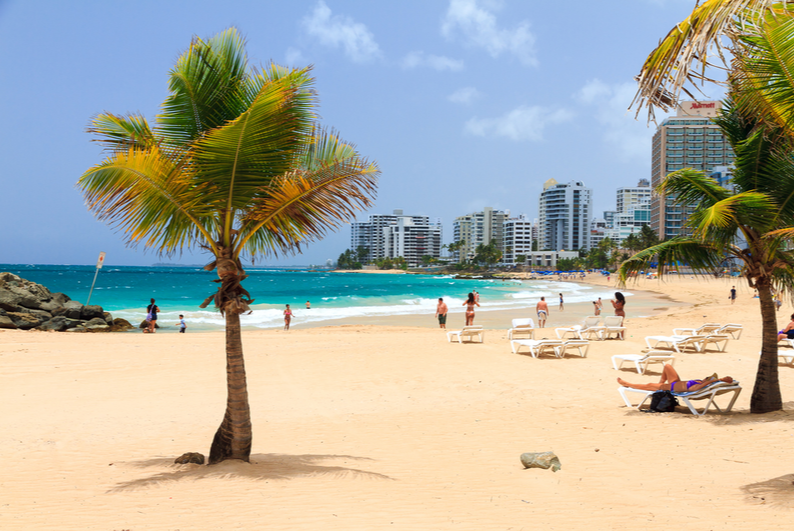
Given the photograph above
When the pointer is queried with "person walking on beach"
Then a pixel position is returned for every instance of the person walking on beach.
(151, 316)
(288, 315)
(618, 308)
(733, 294)
(542, 310)
(561, 302)
(470, 303)
(181, 324)
(441, 313)
(597, 306)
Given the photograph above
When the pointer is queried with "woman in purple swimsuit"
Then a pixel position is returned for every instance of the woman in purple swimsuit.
(670, 381)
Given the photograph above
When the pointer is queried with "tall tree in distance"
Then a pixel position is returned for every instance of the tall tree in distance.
(236, 163)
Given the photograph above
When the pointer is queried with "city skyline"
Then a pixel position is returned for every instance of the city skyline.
(448, 138)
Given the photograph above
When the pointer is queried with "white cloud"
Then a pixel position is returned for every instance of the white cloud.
(477, 26)
(437, 62)
(630, 138)
(294, 57)
(464, 96)
(337, 30)
(523, 123)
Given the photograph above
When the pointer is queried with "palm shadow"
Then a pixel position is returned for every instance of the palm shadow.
(261, 467)
(744, 416)
(777, 492)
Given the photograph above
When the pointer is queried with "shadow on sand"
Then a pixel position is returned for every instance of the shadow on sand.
(261, 467)
(777, 492)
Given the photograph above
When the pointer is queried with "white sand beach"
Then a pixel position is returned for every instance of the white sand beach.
(369, 427)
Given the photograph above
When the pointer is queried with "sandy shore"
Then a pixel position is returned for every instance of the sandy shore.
(364, 427)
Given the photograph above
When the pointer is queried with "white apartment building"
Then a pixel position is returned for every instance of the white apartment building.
(688, 140)
(476, 229)
(564, 216)
(398, 235)
(517, 238)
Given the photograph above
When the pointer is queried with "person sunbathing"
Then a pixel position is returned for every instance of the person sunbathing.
(670, 381)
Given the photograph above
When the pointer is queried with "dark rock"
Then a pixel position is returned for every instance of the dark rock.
(60, 298)
(6, 322)
(92, 311)
(45, 316)
(25, 321)
(120, 325)
(97, 324)
(541, 460)
(108, 317)
(58, 324)
(190, 457)
(145, 324)
(74, 309)
(9, 301)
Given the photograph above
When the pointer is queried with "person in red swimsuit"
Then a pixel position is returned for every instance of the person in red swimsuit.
(670, 381)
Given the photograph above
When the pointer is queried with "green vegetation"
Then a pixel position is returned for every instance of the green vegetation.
(236, 163)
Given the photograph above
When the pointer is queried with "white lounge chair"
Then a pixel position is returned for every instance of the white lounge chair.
(536, 346)
(521, 327)
(719, 340)
(614, 324)
(788, 342)
(678, 343)
(590, 327)
(468, 332)
(731, 329)
(642, 361)
(702, 330)
(787, 357)
(709, 393)
(580, 345)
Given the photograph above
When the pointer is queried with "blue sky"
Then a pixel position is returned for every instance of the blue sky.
(463, 103)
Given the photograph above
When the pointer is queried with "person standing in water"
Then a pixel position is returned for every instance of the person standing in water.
(151, 316)
(470, 303)
(288, 315)
(181, 324)
(308, 306)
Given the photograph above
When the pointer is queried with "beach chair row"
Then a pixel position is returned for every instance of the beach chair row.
(697, 338)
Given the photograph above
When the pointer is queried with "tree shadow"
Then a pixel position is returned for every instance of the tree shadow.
(777, 492)
(744, 416)
(261, 467)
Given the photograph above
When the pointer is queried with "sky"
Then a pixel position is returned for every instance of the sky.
(463, 104)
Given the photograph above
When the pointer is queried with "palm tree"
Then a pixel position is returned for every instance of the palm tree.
(235, 164)
(757, 34)
(759, 210)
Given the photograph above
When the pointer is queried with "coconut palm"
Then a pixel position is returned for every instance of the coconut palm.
(236, 164)
(757, 34)
(750, 224)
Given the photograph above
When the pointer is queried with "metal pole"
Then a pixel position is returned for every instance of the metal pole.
(92, 286)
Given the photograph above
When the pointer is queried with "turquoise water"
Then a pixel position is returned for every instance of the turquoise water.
(125, 291)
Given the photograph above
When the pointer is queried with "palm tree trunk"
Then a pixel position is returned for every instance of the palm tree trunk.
(233, 438)
(767, 394)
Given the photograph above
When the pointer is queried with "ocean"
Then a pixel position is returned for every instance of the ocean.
(125, 292)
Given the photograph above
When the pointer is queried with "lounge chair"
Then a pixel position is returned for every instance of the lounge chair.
(580, 345)
(614, 324)
(676, 342)
(590, 327)
(642, 361)
(787, 357)
(709, 393)
(731, 329)
(719, 340)
(468, 332)
(521, 327)
(702, 330)
(788, 342)
(536, 346)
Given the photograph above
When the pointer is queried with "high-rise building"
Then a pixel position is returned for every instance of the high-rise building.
(688, 140)
(476, 229)
(517, 239)
(564, 216)
(398, 235)
(628, 197)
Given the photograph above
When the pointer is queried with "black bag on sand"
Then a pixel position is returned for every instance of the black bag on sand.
(663, 402)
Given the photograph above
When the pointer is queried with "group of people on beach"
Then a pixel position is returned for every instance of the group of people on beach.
(542, 308)
(151, 319)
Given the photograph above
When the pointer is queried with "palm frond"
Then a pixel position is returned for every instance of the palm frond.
(692, 187)
(144, 195)
(671, 254)
(332, 184)
(120, 133)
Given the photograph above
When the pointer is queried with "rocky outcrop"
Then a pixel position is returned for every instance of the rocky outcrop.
(25, 305)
